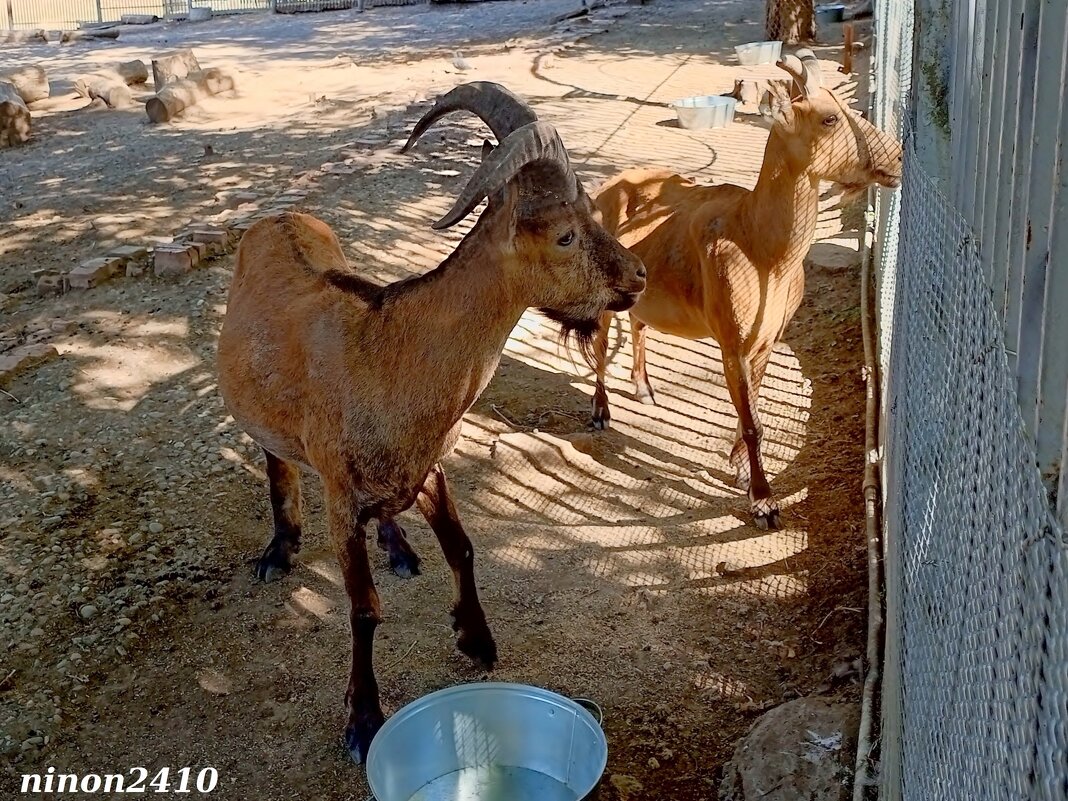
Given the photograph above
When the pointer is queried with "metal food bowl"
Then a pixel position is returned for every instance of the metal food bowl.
(710, 111)
(758, 53)
(826, 14)
(489, 742)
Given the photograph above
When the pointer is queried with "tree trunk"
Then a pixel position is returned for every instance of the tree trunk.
(109, 87)
(132, 71)
(173, 67)
(30, 82)
(14, 117)
(177, 96)
(790, 21)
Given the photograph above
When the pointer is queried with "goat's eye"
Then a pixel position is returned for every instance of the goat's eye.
(831, 121)
(566, 239)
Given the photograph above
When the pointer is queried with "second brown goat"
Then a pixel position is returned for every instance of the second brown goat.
(728, 263)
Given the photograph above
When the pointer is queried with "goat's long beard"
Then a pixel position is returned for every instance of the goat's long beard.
(576, 333)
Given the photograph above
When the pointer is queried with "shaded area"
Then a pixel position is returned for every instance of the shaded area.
(616, 566)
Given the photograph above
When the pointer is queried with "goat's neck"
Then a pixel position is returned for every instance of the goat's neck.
(782, 209)
(469, 305)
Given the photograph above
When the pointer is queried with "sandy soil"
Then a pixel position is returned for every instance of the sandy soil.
(617, 565)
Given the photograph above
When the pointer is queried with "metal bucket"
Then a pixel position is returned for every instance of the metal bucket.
(830, 13)
(489, 742)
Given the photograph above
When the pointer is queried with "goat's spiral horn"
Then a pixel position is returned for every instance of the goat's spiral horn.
(535, 141)
(502, 110)
(811, 66)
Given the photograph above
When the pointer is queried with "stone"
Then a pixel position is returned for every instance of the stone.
(87, 612)
(212, 236)
(237, 199)
(155, 528)
(801, 750)
(94, 272)
(174, 259)
(130, 253)
(23, 358)
(626, 787)
(54, 284)
(63, 326)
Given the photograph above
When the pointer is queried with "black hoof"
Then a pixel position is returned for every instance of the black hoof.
(405, 565)
(767, 521)
(403, 560)
(360, 732)
(479, 647)
(601, 419)
(275, 563)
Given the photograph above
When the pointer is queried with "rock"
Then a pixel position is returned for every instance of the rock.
(626, 787)
(155, 528)
(22, 359)
(88, 612)
(804, 749)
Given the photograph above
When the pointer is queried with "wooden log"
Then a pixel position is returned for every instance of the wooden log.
(89, 33)
(173, 67)
(847, 49)
(138, 19)
(132, 71)
(21, 36)
(177, 96)
(14, 117)
(109, 87)
(30, 82)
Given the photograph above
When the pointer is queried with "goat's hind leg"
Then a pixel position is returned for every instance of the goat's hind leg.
(643, 390)
(403, 560)
(469, 620)
(602, 416)
(277, 558)
(740, 384)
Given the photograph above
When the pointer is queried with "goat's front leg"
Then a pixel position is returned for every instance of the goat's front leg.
(277, 558)
(365, 716)
(435, 502)
(638, 374)
(403, 560)
(602, 417)
(740, 385)
(739, 453)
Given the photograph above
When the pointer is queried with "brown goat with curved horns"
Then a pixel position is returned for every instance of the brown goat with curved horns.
(366, 385)
(728, 263)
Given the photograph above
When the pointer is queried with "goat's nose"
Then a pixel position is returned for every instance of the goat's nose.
(640, 272)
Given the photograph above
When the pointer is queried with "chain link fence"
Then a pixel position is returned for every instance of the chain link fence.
(975, 694)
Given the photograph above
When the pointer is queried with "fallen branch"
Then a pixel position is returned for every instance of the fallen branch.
(177, 96)
(173, 67)
(132, 72)
(109, 87)
(14, 117)
(102, 33)
(30, 82)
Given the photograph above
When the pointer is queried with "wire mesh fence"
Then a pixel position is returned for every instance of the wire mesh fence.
(975, 696)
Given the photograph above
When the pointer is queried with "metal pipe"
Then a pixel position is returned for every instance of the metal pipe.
(873, 519)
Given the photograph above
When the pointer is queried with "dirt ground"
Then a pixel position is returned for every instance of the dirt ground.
(617, 565)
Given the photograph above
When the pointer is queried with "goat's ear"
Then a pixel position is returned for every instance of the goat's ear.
(776, 107)
(487, 148)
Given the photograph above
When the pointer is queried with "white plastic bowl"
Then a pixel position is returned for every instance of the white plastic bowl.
(709, 111)
(758, 53)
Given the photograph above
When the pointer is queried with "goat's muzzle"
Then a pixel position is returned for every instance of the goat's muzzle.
(631, 289)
